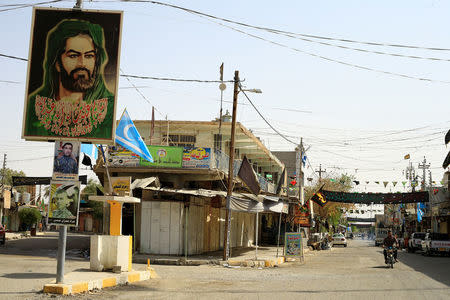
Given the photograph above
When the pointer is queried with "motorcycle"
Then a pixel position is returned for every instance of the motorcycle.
(390, 261)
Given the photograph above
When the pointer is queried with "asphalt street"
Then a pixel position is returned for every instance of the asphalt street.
(355, 272)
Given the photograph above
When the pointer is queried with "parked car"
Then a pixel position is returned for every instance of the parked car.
(415, 241)
(339, 239)
(2, 234)
(436, 243)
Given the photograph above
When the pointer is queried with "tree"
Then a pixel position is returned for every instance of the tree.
(91, 189)
(29, 216)
(331, 213)
(8, 175)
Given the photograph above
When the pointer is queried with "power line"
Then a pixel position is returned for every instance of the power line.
(173, 79)
(28, 5)
(265, 120)
(287, 32)
(332, 59)
(13, 57)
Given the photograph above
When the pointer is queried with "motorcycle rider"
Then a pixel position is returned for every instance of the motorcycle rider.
(390, 241)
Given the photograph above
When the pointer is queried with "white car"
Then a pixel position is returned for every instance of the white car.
(339, 239)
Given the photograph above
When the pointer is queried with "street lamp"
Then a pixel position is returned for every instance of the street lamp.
(256, 91)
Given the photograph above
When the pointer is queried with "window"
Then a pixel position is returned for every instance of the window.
(180, 140)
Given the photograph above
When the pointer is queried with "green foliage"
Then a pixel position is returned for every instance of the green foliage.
(29, 216)
(8, 175)
(91, 189)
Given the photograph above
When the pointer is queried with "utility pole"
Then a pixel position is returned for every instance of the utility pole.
(3, 171)
(226, 243)
(431, 202)
(424, 166)
(320, 172)
(410, 174)
(298, 170)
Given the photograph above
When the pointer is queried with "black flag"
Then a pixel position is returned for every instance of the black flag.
(319, 198)
(87, 161)
(248, 176)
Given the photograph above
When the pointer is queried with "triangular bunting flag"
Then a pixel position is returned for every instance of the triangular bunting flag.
(407, 156)
(394, 183)
(404, 183)
(377, 182)
(385, 183)
(367, 182)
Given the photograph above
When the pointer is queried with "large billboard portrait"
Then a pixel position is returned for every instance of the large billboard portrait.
(64, 203)
(72, 76)
(66, 160)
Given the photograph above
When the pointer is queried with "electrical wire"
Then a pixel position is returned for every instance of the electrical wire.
(173, 79)
(28, 5)
(272, 30)
(265, 120)
(332, 59)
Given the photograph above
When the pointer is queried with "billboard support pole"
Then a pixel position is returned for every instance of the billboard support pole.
(78, 4)
(61, 254)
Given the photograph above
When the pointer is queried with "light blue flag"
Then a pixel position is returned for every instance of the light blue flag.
(419, 214)
(128, 137)
(90, 150)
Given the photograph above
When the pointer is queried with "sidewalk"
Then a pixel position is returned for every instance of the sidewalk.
(83, 280)
(245, 257)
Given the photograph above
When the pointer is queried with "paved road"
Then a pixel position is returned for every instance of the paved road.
(355, 272)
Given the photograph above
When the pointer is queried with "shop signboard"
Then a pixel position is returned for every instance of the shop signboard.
(197, 158)
(301, 215)
(164, 157)
(293, 245)
(121, 185)
(73, 75)
(119, 156)
(66, 158)
(64, 203)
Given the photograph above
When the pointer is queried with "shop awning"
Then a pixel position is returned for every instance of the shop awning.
(243, 202)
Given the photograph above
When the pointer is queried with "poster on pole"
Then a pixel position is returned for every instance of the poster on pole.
(66, 160)
(64, 203)
(72, 78)
(293, 245)
(121, 185)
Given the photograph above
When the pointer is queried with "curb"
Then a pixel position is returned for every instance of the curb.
(84, 286)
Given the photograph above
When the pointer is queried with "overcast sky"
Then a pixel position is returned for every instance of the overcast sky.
(357, 121)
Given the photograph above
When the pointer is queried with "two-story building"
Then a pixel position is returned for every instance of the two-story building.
(183, 200)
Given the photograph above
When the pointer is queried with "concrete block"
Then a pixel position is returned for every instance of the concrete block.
(110, 252)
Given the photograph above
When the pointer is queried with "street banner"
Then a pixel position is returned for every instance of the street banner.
(293, 245)
(19, 180)
(197, 158)
(72, 78)
(64, 203)
(66, 160)
(164, 157)
(121, 185)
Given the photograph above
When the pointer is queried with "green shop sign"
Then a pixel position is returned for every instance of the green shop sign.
(164, 157)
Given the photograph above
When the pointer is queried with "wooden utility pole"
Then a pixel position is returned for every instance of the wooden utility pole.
(320, 172)
(226, 242)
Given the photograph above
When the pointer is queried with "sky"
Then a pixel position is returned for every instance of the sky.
(352, 120)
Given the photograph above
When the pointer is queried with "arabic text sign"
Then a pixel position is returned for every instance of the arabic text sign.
(121, 185)
(68, 97)
(164, 157)
(64, 203)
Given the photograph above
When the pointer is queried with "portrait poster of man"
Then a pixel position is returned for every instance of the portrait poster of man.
(66, 160)
(64, 203)
(72, 76)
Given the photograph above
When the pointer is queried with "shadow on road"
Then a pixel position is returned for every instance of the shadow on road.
(436, 267)
(28, 275)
